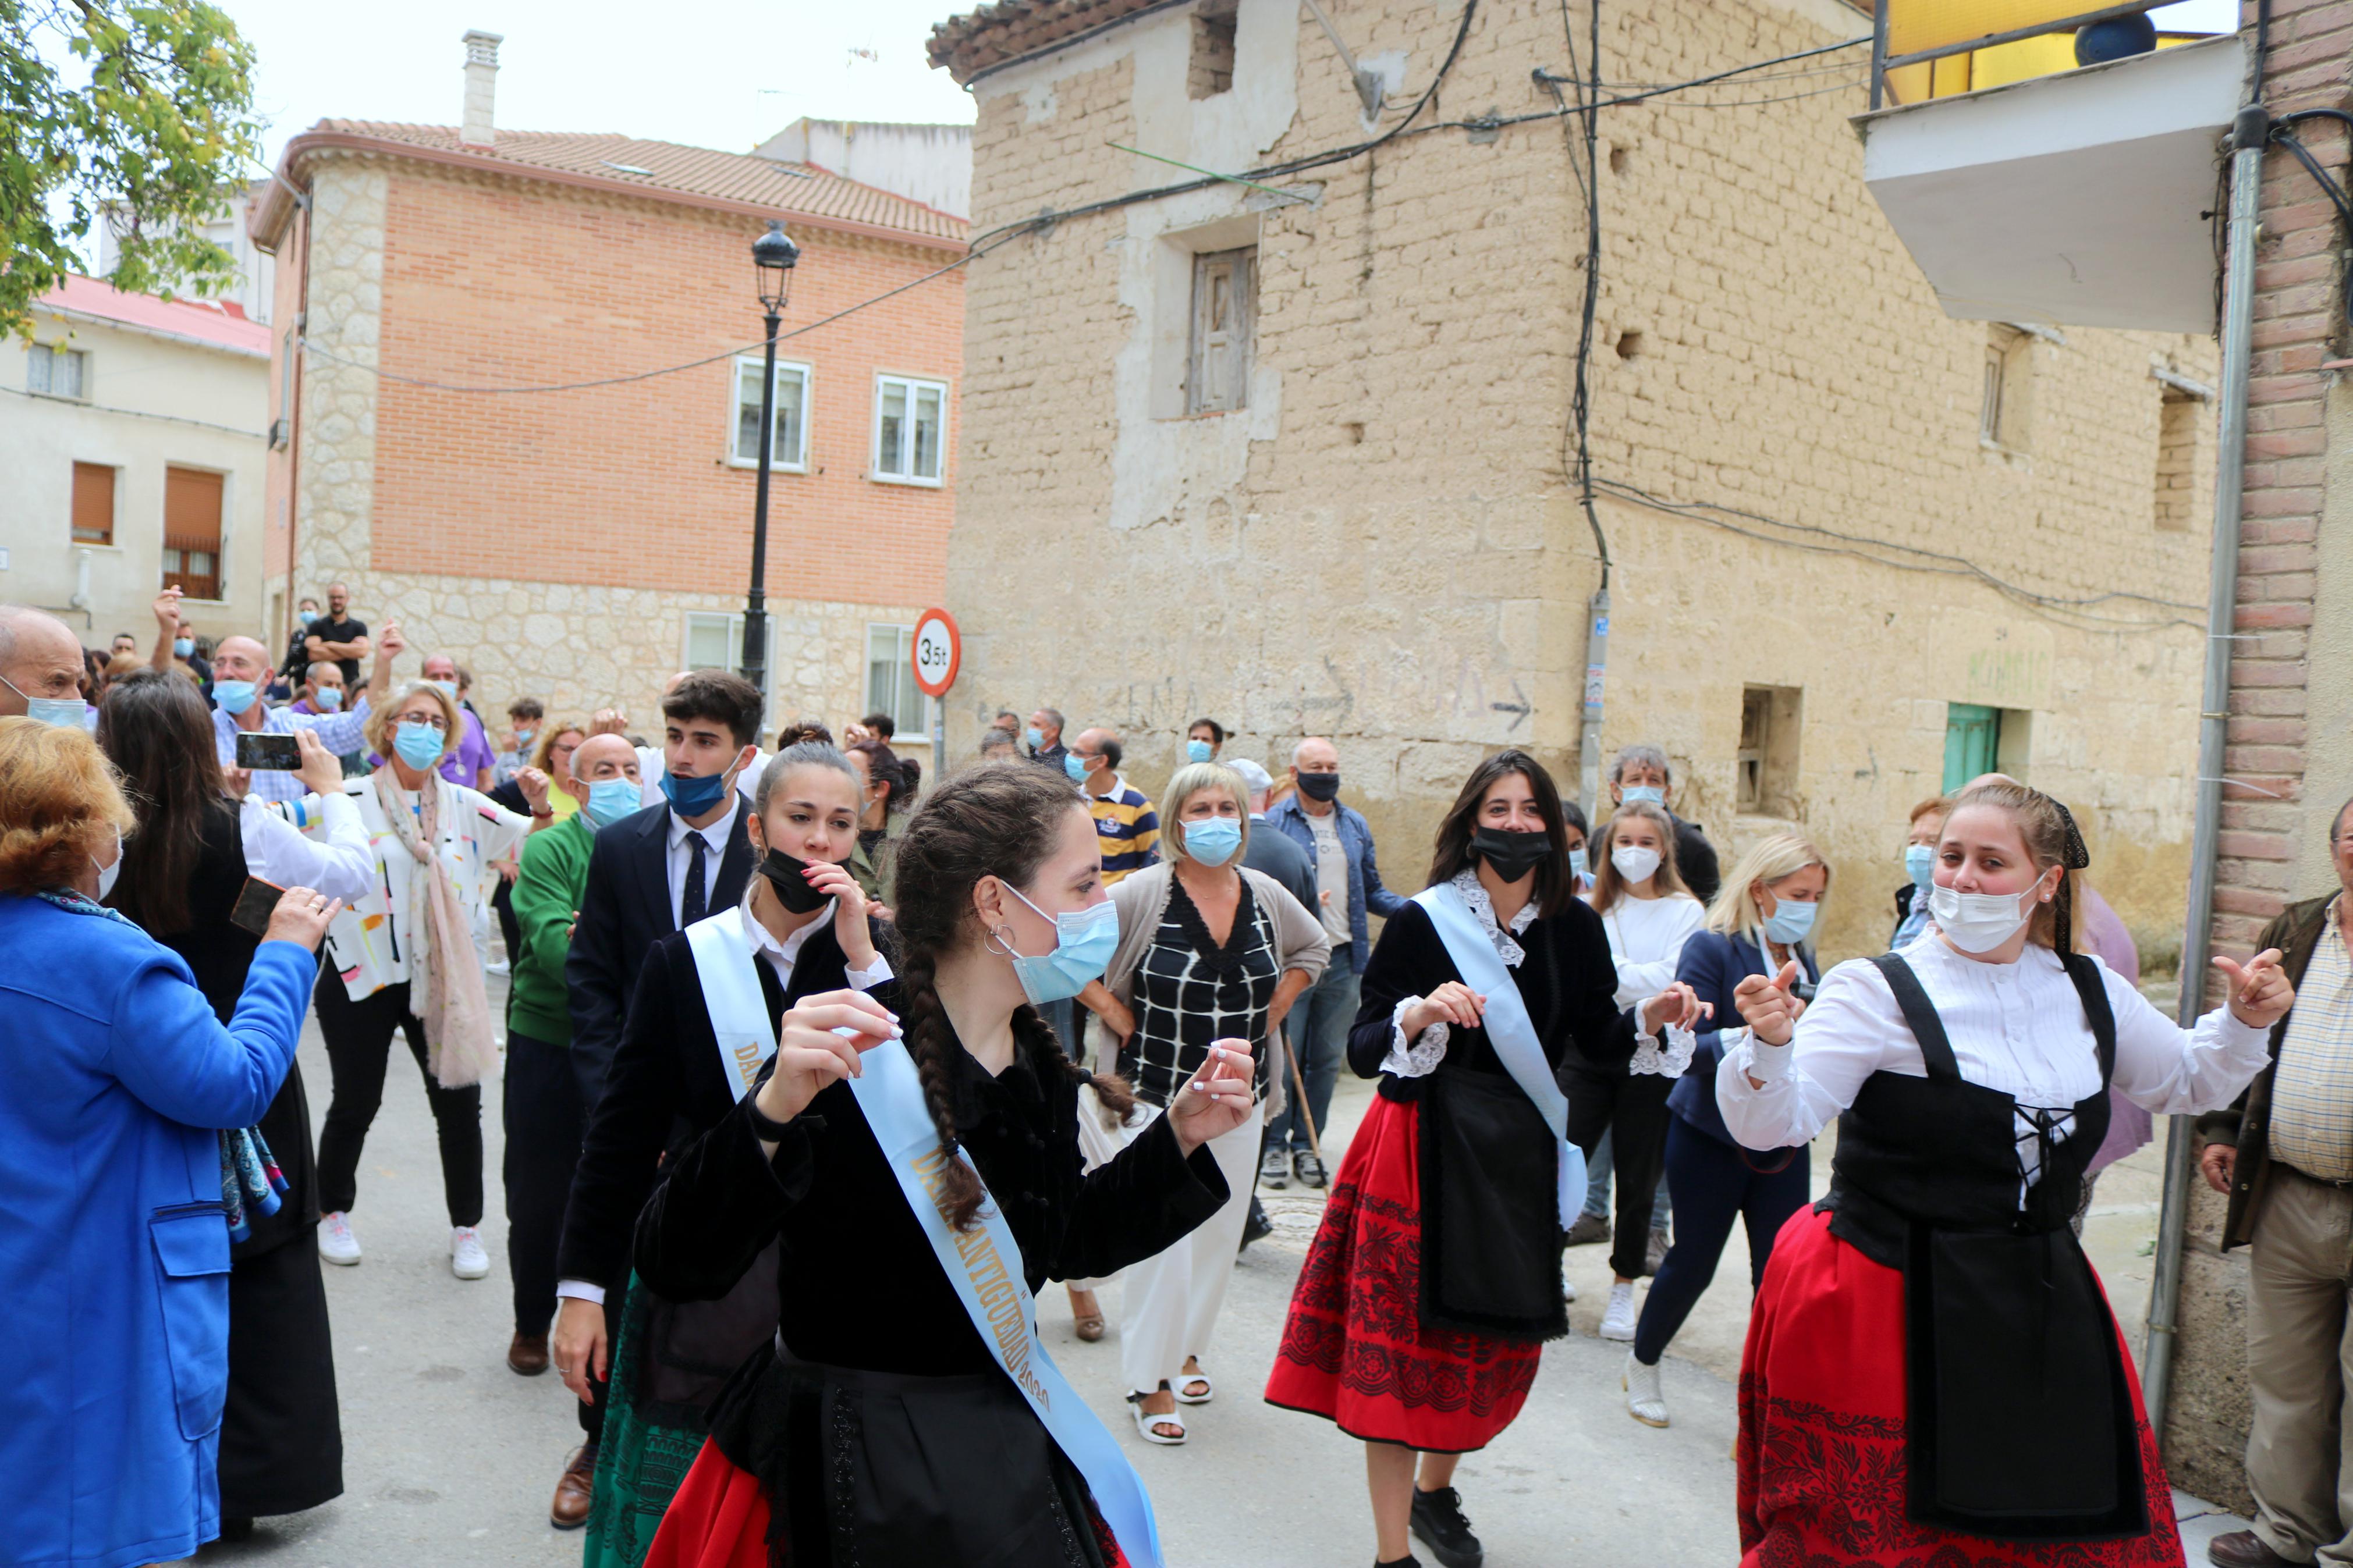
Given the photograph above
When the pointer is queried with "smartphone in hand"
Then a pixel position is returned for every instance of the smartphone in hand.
(259, 900)
(276, 753)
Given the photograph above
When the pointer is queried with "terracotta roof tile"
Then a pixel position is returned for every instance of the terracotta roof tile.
(219, 323)
(967, 44)
(666, 166)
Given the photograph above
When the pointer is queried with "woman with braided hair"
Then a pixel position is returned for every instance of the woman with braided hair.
(931, 1158)
(1932, 1371)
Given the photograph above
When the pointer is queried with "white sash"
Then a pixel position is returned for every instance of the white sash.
(1509, 1029)
(984, 1265)
(731, 990)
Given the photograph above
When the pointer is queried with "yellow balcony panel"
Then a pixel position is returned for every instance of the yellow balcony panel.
(2071, 199)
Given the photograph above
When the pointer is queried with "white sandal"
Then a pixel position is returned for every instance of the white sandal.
(1645, 1402)
(1146, 1420)
(1208, 1389)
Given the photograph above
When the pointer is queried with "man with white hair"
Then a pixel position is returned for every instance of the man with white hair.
(1271, 853)
(40, 667)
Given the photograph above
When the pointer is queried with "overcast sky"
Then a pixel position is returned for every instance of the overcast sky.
(720, 73)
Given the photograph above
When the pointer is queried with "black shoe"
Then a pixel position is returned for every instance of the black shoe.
(236, 1529)
(1438, 1521)
(1256, 1226)
(1408, 1560)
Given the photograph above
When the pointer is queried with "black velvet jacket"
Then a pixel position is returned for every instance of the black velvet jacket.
(861, 1285)
(1568, 980)
(666, 1085)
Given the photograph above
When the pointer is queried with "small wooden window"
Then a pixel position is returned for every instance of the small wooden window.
(1224, 306)
(192, 531)
(93, 504)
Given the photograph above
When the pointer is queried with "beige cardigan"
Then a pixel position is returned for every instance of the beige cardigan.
(1141, 900)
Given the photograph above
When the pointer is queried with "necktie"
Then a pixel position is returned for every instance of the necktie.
(689, 905)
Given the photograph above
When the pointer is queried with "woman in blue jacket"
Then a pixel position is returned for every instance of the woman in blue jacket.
(1761, 919)
(114, 1240)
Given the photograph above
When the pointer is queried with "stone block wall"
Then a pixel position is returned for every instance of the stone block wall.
(1385, 546)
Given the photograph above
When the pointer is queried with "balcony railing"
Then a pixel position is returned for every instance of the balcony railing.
(1921, 50)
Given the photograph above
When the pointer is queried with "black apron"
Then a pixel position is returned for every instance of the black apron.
(2020, 1423)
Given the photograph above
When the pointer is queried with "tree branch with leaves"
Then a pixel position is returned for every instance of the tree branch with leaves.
(142, 112)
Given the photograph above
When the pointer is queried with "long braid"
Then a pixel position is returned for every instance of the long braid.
(1046, 1053)
(930, 1039)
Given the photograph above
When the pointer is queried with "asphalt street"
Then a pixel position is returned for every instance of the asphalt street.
(451, 1459)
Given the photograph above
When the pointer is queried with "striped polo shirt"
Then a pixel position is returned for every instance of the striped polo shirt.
(1126, 829)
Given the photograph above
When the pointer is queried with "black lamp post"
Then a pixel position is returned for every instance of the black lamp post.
(773, 254)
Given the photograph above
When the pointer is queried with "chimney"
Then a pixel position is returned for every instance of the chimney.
(482, 89)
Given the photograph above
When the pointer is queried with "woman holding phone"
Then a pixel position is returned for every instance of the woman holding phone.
(931, 1158)
(194, 854)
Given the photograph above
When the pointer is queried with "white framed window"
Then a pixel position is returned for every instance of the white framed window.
(1224, 312)
(715, 641)
(911, 421)
(56, 371)
(891, 677)
(789, 454)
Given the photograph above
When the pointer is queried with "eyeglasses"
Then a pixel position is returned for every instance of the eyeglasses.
(430, 720)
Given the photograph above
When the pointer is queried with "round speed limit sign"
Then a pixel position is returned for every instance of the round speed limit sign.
(938, 651)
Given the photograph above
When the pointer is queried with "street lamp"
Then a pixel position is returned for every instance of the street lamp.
(774, 255)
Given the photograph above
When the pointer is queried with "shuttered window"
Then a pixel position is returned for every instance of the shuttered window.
(93, 504)
(192, 531)
(1218, 369)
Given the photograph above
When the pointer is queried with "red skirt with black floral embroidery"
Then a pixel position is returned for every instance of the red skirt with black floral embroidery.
(1355, 1349)
(1822, 1474)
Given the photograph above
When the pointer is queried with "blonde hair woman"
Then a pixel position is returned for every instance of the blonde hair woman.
(1209, 952)
(1763, 918)
(404, 958)
(1648, 914)
(1969, 1073)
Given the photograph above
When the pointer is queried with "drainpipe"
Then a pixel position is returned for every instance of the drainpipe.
(2248, 135)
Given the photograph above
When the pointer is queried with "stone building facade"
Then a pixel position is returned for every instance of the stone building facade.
(2290, 735)
(1849, 536)
(580, 545)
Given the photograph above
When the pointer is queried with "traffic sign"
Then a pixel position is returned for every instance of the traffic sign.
(938, 652)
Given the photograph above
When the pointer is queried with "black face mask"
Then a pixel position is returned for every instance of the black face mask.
(1319, 786)
(1512, 855)
(784, 874)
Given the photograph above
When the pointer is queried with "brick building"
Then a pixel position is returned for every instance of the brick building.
(581, 544)
(1311, 441)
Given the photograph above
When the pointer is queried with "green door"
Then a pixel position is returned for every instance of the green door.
(1972, 737)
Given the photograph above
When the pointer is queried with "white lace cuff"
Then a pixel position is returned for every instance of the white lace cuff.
(1421, 1058)
(1667, 1059)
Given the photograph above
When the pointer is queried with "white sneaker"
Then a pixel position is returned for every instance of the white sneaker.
(1618, 1318)
(1644, 1401)
(1567, 1290)
(496, 966)
(336, 1242)
(466, 1259)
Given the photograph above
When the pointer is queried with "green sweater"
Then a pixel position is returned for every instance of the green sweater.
(546, 897)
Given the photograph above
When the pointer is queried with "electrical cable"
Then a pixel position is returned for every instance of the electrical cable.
(1581, 395)
(2284, 133)
(1938, 562)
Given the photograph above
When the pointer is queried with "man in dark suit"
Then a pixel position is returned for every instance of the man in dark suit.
(649, 874)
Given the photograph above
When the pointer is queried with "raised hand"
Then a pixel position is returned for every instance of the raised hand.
(1678, 1006)
(1766, 1006)
(1453, 1002)
(322, 772)
(2259, 992)
(1217, 1100)
(533, 784)
(850, 907)
(818, 1042)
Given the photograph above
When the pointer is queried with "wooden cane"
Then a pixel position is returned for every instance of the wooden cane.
(1299, 1089)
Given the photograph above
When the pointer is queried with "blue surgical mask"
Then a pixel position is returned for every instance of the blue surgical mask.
(449, 688)
(1578, 863)
(1035, 736)
(418, 745)
(184, 646)
(308, 617)
(609, 800)
(1212, 840)
(1920, 864)
(327, 699)
(693, 797)
(1651, 793)
(1084, 940)
(1789, 921)
(234, 696)
(1072, 766)
(1196, 751)
(66, 712)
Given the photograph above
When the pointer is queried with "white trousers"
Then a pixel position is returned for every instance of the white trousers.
(1172, 1298)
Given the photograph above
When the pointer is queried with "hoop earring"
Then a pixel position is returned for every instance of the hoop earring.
(1004, 934)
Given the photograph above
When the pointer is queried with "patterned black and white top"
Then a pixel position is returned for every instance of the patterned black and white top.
(1190, 992)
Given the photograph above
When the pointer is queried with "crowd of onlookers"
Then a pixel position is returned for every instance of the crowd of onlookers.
(184, 825)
